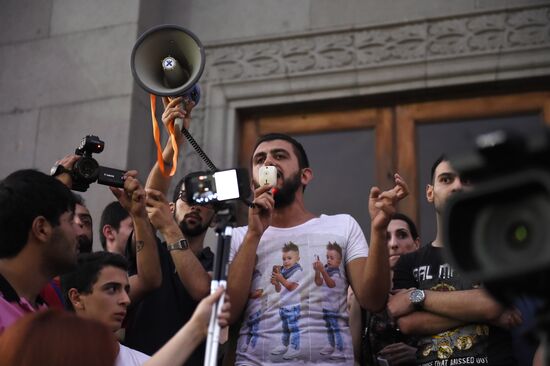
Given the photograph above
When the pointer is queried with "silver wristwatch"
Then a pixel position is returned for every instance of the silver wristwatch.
(417, 298)
(180, 245)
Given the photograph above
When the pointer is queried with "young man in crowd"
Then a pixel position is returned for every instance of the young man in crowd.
(115, 227)
(455, 320)
(37, 240)
(281, 217)
(99, 289)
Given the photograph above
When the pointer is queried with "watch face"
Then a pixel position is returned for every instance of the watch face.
(417, 296)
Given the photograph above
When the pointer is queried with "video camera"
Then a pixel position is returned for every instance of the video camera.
(212, 187)
(87, 170)
(498, 233)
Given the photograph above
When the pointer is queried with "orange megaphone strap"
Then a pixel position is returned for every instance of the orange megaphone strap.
(156, 136)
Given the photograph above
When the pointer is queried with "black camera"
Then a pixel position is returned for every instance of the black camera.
(87, 170)
(498, 232)
(211, 187)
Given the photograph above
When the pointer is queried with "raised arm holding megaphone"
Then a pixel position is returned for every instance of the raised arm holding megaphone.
(168, 61)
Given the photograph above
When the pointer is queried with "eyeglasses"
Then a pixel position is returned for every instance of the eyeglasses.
(182, 196)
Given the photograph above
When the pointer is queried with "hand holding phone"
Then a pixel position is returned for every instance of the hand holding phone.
(268, 175)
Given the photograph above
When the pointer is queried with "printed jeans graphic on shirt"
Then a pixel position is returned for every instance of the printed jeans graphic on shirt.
(333, 329)
(291, 331)
(253, 323)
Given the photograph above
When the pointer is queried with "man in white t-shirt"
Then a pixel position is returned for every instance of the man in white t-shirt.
(279, 216)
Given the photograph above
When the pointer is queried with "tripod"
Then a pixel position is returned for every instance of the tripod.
(224, 230)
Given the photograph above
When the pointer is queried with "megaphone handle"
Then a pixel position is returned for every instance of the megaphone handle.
(178, 124)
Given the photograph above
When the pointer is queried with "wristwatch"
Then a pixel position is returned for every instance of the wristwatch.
(180, 245)
(417, 298)
(58, 169)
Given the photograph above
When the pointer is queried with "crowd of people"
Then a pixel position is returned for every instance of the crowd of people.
(301, 288)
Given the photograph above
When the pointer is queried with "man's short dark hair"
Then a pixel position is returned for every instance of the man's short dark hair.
(87, 271)
(303, 161)
(409, 221)
(79, 199)
(439, 160)
(112, 215)
(25, 195)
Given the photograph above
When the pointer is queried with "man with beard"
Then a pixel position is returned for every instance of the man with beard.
(37, 240)
(84, 225)
(455, 319)
(279, 216)
(184, 261)
(52, 294)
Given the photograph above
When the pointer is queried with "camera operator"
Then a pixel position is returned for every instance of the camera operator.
(147, 276)
(456, 321)
(184, 260)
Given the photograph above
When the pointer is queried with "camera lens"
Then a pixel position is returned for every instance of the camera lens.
(518, 235)
(514, 232)
(87, 169)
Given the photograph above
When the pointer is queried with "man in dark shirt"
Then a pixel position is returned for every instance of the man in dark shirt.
(455, 320)
(185, 262)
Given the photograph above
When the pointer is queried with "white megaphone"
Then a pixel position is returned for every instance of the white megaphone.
(168, 60)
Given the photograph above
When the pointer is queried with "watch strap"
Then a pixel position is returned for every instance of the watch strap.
(180, 245)
(58, 169)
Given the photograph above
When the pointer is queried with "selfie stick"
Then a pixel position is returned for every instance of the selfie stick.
(224, 231)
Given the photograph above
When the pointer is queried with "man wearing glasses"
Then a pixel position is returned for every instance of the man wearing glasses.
(185, 262)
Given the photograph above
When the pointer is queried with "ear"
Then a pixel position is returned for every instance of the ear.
(108, 232)
(430, 193)
(214, 221)
(74, 298)
(417, 243)
(172, 207)
(307, 176)
(41, 228)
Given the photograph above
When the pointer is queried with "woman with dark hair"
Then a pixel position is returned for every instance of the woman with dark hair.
(376, 339)
(57, 338)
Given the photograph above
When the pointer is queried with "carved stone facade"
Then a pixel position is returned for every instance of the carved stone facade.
(436, 39)
(481, 47)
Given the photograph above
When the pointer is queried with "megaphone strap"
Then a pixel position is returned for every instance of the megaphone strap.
(156, 136)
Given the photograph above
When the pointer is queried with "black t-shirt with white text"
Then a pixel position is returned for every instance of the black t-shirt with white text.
(470, 344)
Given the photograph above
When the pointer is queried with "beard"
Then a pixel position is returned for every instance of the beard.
(84, 244)
(193, 230)
(287, 193)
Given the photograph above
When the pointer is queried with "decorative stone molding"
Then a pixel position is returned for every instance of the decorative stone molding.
(434, 39)
(480, 47)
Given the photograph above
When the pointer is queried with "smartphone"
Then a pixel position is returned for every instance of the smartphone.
(268, 175)
(382, 361)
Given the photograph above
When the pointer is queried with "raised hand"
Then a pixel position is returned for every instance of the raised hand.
(382, 205)
(158, 210)
(259, 216)
(173, 109)
(132, 196)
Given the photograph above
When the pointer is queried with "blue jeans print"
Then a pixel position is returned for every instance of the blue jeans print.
(333, 329)
(253, 323)
(289, 316)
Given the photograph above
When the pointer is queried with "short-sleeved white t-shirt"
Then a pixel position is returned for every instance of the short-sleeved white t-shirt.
(311, 238)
